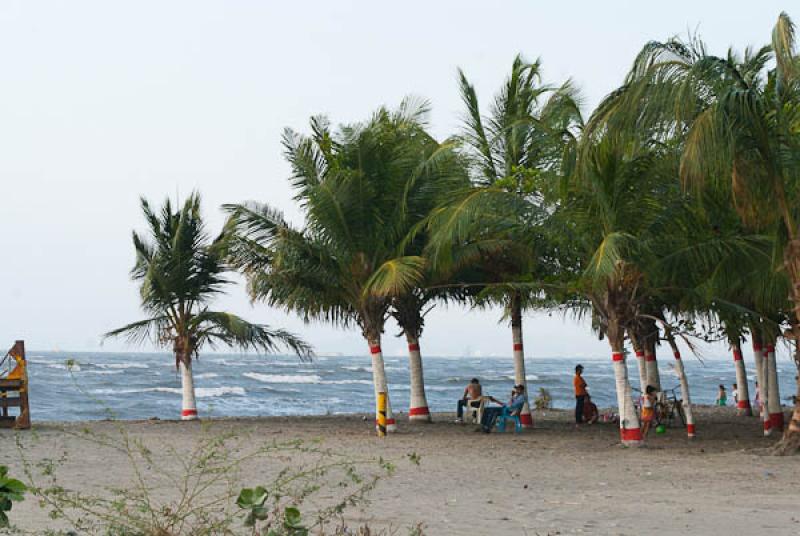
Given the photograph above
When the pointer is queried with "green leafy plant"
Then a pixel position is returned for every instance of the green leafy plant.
(11, 490)
(543, 400)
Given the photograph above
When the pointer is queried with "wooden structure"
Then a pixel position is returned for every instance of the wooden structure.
(14, 388)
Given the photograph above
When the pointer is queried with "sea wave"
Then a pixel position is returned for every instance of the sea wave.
(206, 375)
(282, 378)
(199, 392)
(104, 371)
(358, 369)
(346, 382)
(121, 365)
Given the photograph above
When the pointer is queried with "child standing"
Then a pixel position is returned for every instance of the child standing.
(722, 397)
(648, 409)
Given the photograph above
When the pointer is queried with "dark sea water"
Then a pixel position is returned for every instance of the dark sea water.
(139, 386)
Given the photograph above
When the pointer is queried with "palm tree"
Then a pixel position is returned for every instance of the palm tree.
(362, 189)
(740, 116)
(180, 270)
(495, 225)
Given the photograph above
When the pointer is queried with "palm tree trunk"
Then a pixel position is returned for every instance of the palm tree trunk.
(686, 401)
(742, 390)
(791, 437)
(189, 409)
(637, 348)
(765, 391)
(379, 382)
(418, 409)
(774, 395)
(630, 433)
(651, 366)
(525, 417)
(758, 361)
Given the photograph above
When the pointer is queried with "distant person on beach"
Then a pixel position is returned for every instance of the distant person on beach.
(580, 394)
(472, 397)
(722, 397)
(590, 412)
(648, 408)
(735, 394)
(514, 407)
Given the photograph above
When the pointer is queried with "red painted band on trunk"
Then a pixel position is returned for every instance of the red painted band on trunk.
(617, 356)
(419, 411)
(690, 429)
(188, 412)
(374, 349)
(756, 347)
(518, 347)
(630, 434)
(743, 404)
(650, 357)
(413, 347)
(390, 422)
(770, 349)
(737, 355)
(526, 419)
(767, 425)
(776, 420)
(677, 355)
(639, 354)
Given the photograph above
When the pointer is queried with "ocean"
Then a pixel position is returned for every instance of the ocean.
(145, 385)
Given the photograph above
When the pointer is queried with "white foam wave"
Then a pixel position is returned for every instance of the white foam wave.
(206, 375)
(346, 382)
(200, 392)
(74, 367)
(122, 365)
(283, 378)
(104, 371)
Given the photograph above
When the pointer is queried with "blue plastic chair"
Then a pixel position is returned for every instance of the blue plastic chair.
(504, 416)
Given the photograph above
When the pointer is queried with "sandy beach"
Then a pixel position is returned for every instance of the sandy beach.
(550, 480)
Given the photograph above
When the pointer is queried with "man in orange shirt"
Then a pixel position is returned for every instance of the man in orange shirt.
(580, 394)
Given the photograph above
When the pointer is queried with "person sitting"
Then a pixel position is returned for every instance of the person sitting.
(514, 407)
(471, 397)
(590, 413)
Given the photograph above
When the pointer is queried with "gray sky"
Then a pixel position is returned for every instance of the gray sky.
(101, 102)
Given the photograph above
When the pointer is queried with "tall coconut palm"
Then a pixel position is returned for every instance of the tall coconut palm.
(741, 115)
(362, 189)
(180, 271)
(494, 225)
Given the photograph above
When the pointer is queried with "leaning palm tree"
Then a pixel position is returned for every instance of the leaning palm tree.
(741, 116)
(495, 225)
(362, 189)
(180, 270)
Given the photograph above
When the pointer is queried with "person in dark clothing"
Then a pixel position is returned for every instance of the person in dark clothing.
(513, 407)
(580, 394)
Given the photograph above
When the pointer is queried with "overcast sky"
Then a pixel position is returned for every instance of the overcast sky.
(101, 102)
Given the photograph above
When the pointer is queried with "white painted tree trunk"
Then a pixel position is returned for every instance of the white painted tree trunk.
(651, 367)
(687, 399)
(380, 384)
(642, 371)
(525, 417)
(758, 360)
(189, 409)
(630, 432)
(765, 391)
(774, 398)
(418, 409)
(742, 389)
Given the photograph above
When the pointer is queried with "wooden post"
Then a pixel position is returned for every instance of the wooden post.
(381, 414)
